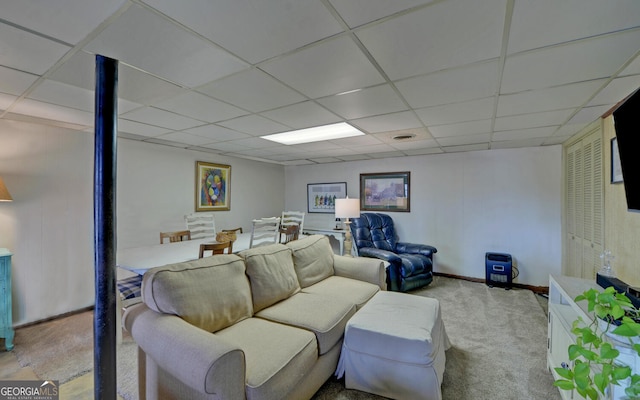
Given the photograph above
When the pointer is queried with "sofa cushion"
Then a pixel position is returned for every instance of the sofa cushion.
(210, 293)
(312, 258)
(270, 270)
(275, 355)
(345, 289)
(325, 316)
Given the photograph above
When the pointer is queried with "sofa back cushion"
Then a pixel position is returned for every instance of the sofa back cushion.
(271, 273)
(211, 293)
(312, 259)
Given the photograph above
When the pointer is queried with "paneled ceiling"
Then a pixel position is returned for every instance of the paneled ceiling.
(453, 75)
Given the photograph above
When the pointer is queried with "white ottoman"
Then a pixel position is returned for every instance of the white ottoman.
(394, 347)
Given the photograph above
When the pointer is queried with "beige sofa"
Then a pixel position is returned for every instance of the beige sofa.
(265, 324)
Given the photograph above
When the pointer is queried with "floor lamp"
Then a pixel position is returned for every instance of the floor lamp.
(347, 208)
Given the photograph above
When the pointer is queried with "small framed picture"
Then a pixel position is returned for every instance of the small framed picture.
(213, 187)
(321, 197)
(616, 168)
(388, 191)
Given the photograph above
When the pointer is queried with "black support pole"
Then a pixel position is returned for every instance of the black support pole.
(104, 220)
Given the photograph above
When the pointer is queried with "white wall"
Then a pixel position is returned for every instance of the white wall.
(49, 225)
(465, 204)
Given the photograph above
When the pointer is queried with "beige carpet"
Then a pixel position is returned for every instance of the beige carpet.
(498, 347)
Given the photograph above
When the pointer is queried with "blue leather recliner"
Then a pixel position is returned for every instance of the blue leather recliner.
(411, 265)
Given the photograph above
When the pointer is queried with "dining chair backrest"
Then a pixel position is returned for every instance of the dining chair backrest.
(177, 236)
(215, 248)
(289, 233)
(293, 217)
(264, 231)
(202, 225)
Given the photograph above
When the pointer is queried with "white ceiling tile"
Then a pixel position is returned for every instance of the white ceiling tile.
(275, 27)
(414, 144)
(584, 60)
(617, 90)
(252, 90)
(457, 112)
(533, 120)
(226, 146)
(511, 144)
(462, 128)
(216, 132)
(466, 139)
(256, 143)
(53, 112)
(377, 148)
(570, 129)
(302, 115)
(542, 23)
(146, 41)
(314, 72)
(387, 154)
(69, 20)
(354, 157)
(200, 107)
(138, 128)
(28, 52)
(186, 138)
(524, 133)
(469, 147)
(324, 160)
(425, 151)
(451, 86)
(589, 114)
(15, 82)
(254, 125)
(315, 146)
(444, 35)
(161, 118)
(357, 141)
(633, 68)
(360, 12)
(6, 100)
(418, 134)
(363, 103)
(387, 122)
(550, 99)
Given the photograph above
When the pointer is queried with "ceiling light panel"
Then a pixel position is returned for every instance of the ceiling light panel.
(315, 134)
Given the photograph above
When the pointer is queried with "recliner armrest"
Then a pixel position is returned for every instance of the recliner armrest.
(386, 255)
(200, 359)
(413, 248)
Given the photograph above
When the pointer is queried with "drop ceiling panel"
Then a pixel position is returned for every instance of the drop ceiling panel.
(589, 114)
(364, 103)
(252, 90)
(575, 62)
(217, 133)
(313, 71)
(533, 120)
(511, 144)
(161, 118)
(144, 40)
(388, 122)
(28, 52)
(15, 82)
(524, 133)
(183, 137)
(138, 128)
(444, 35)
(451, 86)
(200, 107)
(302, 115)
(418, 134)
(360, 12)
(6, 100)
(69, 21)
(464, 140)
(546, 22)
(457, 112)
(550, 99)
(410, 145)
(53, 112)
(463, 128)
(469, 147)
(616, 90)
(275, 26)
(254, 125)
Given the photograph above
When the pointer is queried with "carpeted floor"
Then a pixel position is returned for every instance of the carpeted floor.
(498, 347)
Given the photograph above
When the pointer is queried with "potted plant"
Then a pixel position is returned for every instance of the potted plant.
(594, 357)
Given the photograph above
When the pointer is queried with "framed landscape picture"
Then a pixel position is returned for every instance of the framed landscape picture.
(321, 197)
(388, 191)
(213, 187)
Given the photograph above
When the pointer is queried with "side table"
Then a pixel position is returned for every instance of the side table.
(6, 320)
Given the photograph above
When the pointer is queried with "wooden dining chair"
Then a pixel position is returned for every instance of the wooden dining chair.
(201, 224)
(215, 248)
(177, 236)
(293, 218)
(289, 233)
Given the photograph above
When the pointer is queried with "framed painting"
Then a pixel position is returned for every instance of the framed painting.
(321, 197)
(616, 168)
(213, 187)
(388, 191)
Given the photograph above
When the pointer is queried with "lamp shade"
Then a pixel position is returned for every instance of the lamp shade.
(347, 208)
(4, 193)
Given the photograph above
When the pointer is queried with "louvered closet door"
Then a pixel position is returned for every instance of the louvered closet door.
(584, 210)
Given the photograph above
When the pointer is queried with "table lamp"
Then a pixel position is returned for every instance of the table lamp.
(347, 208)
(4, 193)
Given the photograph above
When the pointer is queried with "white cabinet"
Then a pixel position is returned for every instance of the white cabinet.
(562, 312)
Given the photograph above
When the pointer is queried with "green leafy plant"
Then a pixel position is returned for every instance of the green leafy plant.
(594, 358)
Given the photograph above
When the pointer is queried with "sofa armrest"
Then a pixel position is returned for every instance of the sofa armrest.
(413, 248)
(363, 269)
(199, 359)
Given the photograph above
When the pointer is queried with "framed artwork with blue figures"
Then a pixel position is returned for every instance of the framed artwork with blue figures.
(321, 197)
(213, 187)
